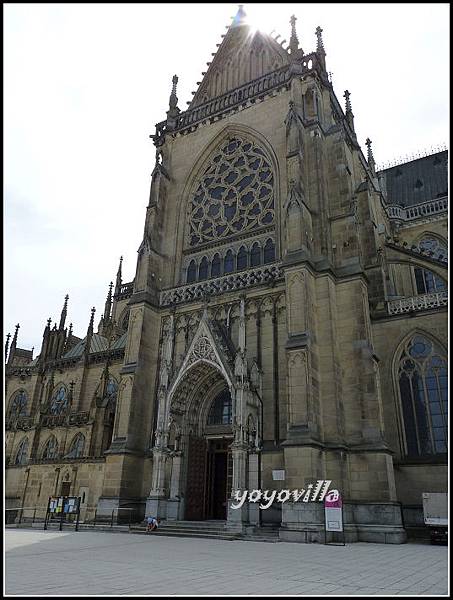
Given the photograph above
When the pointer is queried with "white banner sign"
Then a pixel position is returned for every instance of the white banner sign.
(333, 510)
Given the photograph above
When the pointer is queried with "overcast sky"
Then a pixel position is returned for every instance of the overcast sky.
(84, 85)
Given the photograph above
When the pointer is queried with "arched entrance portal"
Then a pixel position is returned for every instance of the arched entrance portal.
(201, 416)
(209, 462)
(207, 437)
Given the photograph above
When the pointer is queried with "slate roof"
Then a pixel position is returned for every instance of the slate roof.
(99, 343)
(417, 181)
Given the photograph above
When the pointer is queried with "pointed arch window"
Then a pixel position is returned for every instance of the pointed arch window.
(255, 255)
(22, 453)
(241, 260)
(427, 282)
(220, 412)
(50, 449)
(228, 263)
(234, 194)
(422, 383)
(437, 247)
(216, 266)
(18, 406)
(60, 401)
(192, 272)
(269, 251)
(203, 270)
(77, 446)
(111, 391)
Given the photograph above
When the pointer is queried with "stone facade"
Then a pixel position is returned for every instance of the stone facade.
(279, 280)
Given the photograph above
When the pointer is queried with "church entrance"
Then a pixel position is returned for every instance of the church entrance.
(209, 478)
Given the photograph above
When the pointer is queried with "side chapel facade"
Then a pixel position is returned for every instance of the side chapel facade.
(288, 312)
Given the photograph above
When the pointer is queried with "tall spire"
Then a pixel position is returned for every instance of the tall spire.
(348, 111)
(7, 346)
(118, 277)
(240, 18)
(89, 335)
(370, 157)
(294, 41)
(108, 304)
(90, 326)
(64, 312)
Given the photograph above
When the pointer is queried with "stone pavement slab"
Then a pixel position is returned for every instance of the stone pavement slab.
(98, 563)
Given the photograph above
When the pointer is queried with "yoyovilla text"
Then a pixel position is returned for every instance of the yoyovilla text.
(312, 493)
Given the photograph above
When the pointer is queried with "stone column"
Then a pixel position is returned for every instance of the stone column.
(156, 503)
(254, 509)
(174, 501)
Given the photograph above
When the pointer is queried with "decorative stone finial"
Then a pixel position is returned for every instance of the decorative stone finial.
(173, 97)
(240, 18)
(119, 277)
(293, 42)
(347, 95)
(64, 312)
(370, 157)
(320, 43)
(7, 346)
(349, 115)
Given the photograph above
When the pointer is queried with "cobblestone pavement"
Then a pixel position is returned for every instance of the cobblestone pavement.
(54, 563)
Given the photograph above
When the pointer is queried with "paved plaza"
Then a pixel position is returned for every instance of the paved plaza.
(70, 563)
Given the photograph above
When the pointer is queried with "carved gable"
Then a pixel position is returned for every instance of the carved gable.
(244, 55)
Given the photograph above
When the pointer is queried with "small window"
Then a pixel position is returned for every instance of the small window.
(192, 272)
(59, 402)
(51, 449)
(215, 266)
(269, 251)
(22, 453)
(255, 255)
(203, 270)
(228, 264)
(427, 282)
(242, 259)
(221, 410)
(77, 446)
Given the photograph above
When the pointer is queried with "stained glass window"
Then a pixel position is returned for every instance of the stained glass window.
(22, 453)
(438, 249)
(77, 446)
(269, 252)
(255, 255)
(203, 270)
(220, 412)
(422, 376)
(19, 404)
(112, 391)
(228, 264)
(192, 272)
(216, 266)
(51, 448)
(241, 259)
(59, 402)
(427, 282)
(234, 194)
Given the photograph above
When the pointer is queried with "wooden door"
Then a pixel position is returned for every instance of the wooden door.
(196, 479)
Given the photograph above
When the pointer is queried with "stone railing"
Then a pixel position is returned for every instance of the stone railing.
(239, 95)
(418, 211)
(125, 291)
(23, 423)
(221, 285)
(414, 303)
(73, 419)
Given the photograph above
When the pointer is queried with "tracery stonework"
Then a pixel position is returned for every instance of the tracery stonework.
(203, 350)
(235, 193)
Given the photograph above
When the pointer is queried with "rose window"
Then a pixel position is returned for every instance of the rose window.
(235, 193)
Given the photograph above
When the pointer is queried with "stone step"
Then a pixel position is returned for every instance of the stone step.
(184, 532)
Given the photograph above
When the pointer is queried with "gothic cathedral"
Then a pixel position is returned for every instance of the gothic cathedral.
(287, 323)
